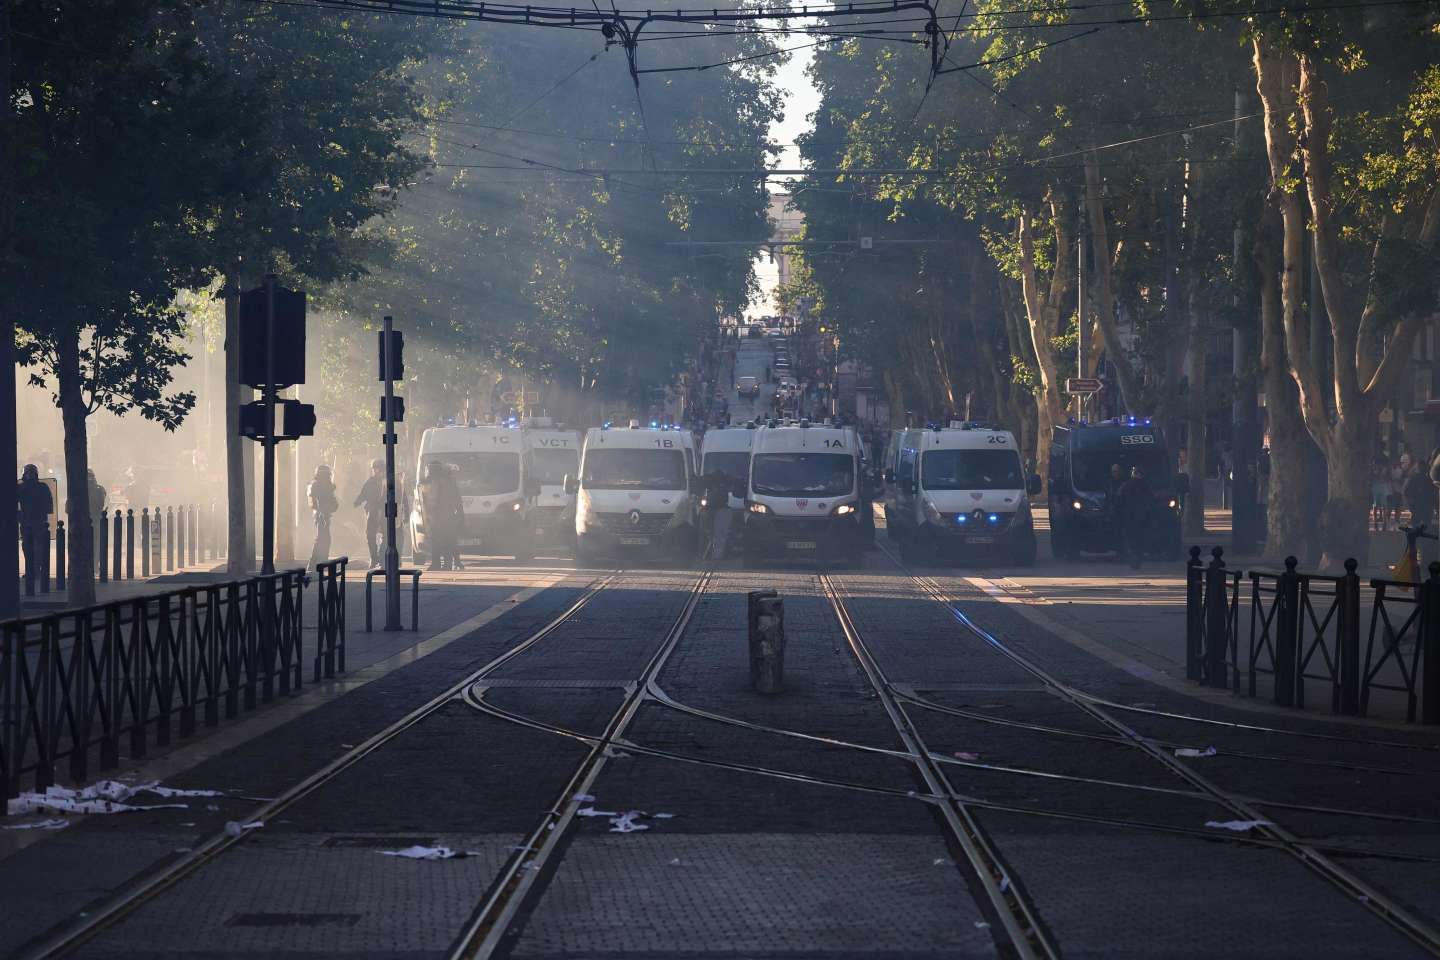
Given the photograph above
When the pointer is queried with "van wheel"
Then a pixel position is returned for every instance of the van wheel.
(1024, 554)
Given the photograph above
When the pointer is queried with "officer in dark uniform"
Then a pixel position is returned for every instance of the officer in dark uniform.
(1133, 507)
(35, 505)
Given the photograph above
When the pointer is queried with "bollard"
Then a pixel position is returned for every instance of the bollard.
(766, 622)
(30, 568)
(116, 545)
(130, 544)
(193, 515)
(1194, 617)
(169, 538)
(180, 536)
(1217, 620)
(145, 542)
(59, 554)
(1287, 633)
(104, 545)
(45, 557)
(1347, 633)
(1430, 650)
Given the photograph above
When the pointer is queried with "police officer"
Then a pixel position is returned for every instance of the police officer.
(1135, 501)
(372, 498)
(35, 505)
(324, 503)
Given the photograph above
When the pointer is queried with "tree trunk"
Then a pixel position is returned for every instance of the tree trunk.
(1103, 292)
(1290, 444)
(239, 560)
(1345, 526)
(80, 543)
(1040, 314)
(1195, 409)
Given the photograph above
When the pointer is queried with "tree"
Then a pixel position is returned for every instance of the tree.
(110, 167)
(1375, 252)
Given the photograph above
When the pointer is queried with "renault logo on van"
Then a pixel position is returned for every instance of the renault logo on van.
(802, 504)
(634, 517)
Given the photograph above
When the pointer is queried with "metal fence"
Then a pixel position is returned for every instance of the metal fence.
(76, 684)
(1306, 628)
(129, 545)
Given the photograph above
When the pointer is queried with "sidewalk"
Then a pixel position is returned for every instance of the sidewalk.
(1135, 619)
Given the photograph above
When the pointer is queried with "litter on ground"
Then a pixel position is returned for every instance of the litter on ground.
(51, 824)
(106, 796)
(234, 828)
(1239, 826)
(425, 853)
(1193, 752)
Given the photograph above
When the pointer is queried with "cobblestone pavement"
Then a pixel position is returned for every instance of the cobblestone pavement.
(720, 822)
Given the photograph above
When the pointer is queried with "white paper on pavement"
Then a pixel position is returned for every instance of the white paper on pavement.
(106, 796)
(425, 853)
(1193, 752)
(627, 822)
(234, 828)
(39, 825)
(1239, 826)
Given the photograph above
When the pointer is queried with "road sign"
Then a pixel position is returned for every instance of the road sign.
(397, 344)
(513, 397)
(1083, 386)
(289, 360)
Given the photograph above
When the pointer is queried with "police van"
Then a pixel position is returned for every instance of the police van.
(1088, 464)
(635, 493)
(551, 454)
(727, 450)
(805, 492)
(485, 462)
(961, 491)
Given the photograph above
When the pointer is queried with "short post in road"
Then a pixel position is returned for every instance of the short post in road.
(130, 544)
(1347, 627)
(118, 546)
(59, 554)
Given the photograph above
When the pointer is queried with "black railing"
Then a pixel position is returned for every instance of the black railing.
(73, 684)
(1306, 628)
(166, 540)
(1212, 607)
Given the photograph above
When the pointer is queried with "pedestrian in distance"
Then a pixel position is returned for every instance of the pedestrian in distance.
(97, 496)
(35, 506)
(437, 512)
(403, 496)
(371, 499)
(1136, 502)
(323, 503)
(1419, 494)
(454, 506)
(1379, 491)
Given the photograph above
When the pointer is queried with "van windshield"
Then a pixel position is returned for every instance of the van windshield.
(733, 463)
(552, 466)
(803, 474)
(1092, 468)
(479, 474)
(634, 470)
(971, 470)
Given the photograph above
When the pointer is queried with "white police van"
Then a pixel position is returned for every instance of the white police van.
(727, 450)
(551, 454)
(804, 496)
(485, 461)
(635, 493)
(961, 491)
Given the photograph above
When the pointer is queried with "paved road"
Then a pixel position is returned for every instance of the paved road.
(942, 777)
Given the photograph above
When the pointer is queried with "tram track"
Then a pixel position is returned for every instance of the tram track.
(116, 909)
(1316, 857)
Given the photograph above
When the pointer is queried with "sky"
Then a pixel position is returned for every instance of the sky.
(801, 99)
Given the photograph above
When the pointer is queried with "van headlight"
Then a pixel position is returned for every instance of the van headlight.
(515, 507)
(1173, 503)
(843, 510)
(757, 507)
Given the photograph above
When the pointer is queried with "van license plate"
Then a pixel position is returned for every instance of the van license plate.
(800, 544)
(635, 541)
(981, 539)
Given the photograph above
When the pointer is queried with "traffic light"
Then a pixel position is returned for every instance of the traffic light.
(289, 337)
(298, 420)
(293, 420)
(397, 340)
(398, 409)
(252, 420)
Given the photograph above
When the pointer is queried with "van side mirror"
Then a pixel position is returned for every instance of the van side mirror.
(913, 487)
(572, 484)
(1032, 486)
(889, 476)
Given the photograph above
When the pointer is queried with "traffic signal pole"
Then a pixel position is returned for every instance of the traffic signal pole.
(392, 551)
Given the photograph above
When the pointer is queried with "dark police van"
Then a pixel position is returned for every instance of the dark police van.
(1088, 462)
